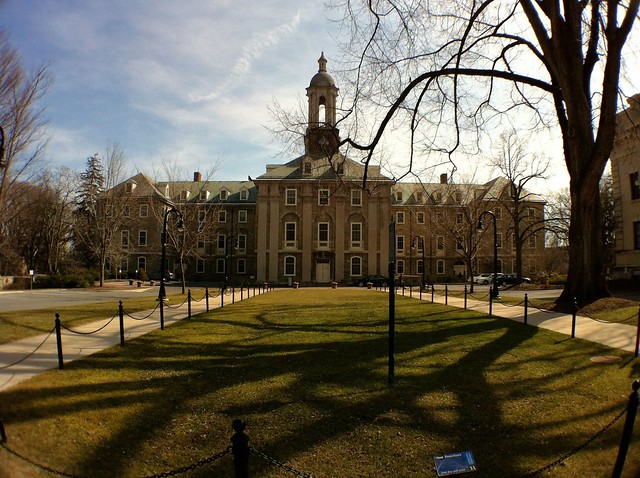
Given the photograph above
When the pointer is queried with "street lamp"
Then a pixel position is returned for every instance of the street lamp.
(495, 292)
(172, 210)
(415, 242)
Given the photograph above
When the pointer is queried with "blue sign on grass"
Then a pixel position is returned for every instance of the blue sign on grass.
(455, 463)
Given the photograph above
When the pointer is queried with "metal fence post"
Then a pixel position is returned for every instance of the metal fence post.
(222, 296)
(206, 297)
(59, 343)
(433, 291)
(121, 316)
(241, 292)
(446, 295)
(465, 297)
(490, 302)
(632, 409)
(574, 318)
(161, 299)
(233, 294)
(240, 448)
(526, 308)
(638, 335)
(188, 303)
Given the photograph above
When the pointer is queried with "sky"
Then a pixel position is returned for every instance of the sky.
(188, 82)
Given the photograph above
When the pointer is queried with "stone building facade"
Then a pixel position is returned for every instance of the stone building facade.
(625, 172)
(313, 220)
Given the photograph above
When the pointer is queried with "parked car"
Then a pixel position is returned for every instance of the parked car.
(376, 280)
(511, 279)
(484, 278)
(169, 276)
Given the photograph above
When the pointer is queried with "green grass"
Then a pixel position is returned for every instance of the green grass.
(16, 325)
(308, 370)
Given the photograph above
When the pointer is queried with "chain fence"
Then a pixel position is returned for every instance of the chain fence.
(3, 367)
(77, 332)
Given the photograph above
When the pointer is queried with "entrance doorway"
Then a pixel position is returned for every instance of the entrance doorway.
(323, 271)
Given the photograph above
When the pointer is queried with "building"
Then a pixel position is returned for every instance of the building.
(625, 172)
(313, 220)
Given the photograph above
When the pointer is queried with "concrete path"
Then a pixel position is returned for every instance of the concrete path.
(23, 359)
(615, 335)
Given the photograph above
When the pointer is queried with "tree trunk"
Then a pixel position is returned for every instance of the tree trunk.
(586, 281)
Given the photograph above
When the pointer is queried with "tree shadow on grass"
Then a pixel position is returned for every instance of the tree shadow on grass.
(300, 383)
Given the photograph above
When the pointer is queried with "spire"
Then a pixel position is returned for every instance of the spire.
(322, 62)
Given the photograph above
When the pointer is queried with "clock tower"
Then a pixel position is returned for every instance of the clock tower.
(322, 137)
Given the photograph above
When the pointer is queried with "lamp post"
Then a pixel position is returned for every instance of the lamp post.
(161, 293)
(495, 292)
(416, 243)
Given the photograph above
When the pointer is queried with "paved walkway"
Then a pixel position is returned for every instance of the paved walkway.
(615, 335)
(23, 359)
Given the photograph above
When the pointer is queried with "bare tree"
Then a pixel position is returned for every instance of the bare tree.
(520, 168)
(103, 208)
(450, 70)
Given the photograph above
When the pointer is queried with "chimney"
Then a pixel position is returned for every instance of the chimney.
(443, 178)
(197, 177)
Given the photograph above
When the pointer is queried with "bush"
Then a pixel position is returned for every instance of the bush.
(558, 279)
(67, 281)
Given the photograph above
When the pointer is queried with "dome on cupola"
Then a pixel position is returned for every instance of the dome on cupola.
(322, 78)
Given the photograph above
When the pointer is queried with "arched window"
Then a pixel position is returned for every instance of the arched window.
(290, 266)
(356, 266)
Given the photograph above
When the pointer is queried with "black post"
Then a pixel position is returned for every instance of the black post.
(59, 343)
(240, 448)
(526, 308)
(627, 431)
(574, 318)
(233, 294)
(490, 302)
(188, 303)
(392, 302)
(3, 434)
(465, 297)
(638, 335)
(446, 295)
(161, 313)
(433, 291)
(121, 316)
(222, 296)
(206, 297)
(241, 292)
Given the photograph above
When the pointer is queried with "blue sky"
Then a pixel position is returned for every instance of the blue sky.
(188, 81)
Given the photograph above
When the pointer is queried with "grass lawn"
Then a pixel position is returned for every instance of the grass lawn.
(15, 325)
(307, 369)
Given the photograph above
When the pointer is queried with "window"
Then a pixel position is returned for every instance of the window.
(531, 212)
(242, 266)
(498, 213)
(126, 211)
(142, 238)
(439, 217)
(499, 239)
(129, 187)
(307, 168)
(224, 194)
(220, 265)
(184, 195)
(459, 218)
(289, 266)
(420, 266)
(532, 241)
(400, 217)
(144, 210)
(634, 178)
(124, 265)
(323, 197)
(399, 196)
(400, 244)
(204, 195)
(356, 234)
(340, 168)
(291, 197)
(356, 266)
(244, 195)
(290, 234)
(636, 235)
(419, 196)
(202, 216)
(142, 263)
(200, 245)
(356, 197)
(222, 216)
(420, 217)
(242, 244)
(440, 266)
(323, 234)
(440, 243)
(222, 243)
(400, 267)
(200, 266)
(124, 238)
(459, 243)
(242, 215)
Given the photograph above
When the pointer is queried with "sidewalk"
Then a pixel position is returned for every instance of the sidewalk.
(618, 336)
(78, 345)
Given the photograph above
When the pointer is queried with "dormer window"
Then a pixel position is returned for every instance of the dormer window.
(307, 167)
(399, 196)
(224, 194)
(184, 195)
(244, 195)
(130, 186)
(204, 195)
